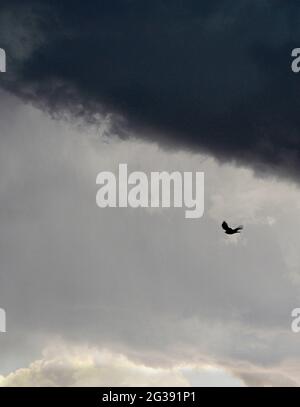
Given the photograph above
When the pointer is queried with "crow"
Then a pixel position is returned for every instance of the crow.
(230, 231)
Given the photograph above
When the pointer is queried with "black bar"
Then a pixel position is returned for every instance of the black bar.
(139, 396)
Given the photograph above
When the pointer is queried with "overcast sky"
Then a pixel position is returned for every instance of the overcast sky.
(150, 286)
(137, 296)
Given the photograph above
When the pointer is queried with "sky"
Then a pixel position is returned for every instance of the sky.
(145, 296)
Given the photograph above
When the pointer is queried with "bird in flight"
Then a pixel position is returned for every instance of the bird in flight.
(230, 231)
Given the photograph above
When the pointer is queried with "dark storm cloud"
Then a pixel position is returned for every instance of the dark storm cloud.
(213, 75)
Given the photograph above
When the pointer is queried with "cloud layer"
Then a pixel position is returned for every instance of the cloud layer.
(213, 76)
(151, 285)
(63, 365)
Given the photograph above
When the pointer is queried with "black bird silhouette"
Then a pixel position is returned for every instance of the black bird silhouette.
(230, 231)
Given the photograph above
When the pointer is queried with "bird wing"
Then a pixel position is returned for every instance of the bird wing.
(225, 226)
(237, 230)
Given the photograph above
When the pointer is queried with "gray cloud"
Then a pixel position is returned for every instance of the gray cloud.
(153, 286)
(213, 76)
(150, 285)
